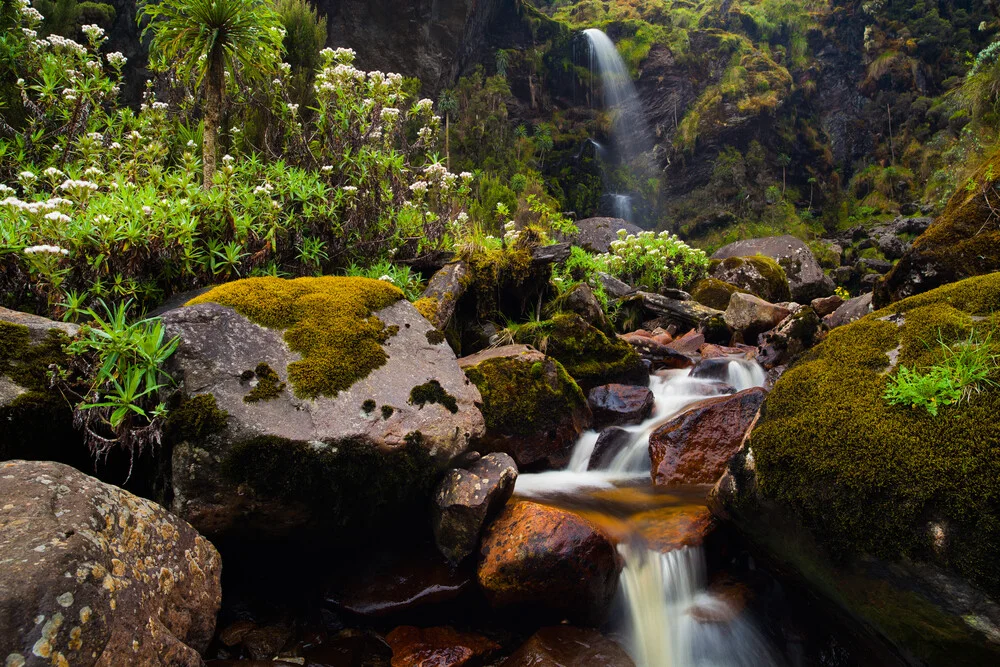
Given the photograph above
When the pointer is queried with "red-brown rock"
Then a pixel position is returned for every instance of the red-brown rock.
(710, 351)
(566, 646)
(436, 647)
(674, 527)
(618, 404)
(537, 555)
(694, 447)
(689, 343)
(658, 355)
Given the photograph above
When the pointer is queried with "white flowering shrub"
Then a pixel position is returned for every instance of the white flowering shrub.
(654, 261)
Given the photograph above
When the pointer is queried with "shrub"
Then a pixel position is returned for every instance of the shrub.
(654, 261)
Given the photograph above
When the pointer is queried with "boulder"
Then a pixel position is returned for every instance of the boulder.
(658, 354)
(709, 351)
(609, 444)
(596, 234)
(963, 242)
(542, 557)
(793, 336)
(757, 275)
(850, 311)
(443, 291)
(436, 647)
(685, 314)
(566, 645)
(581, 300)
(688, 344)
(864, 495)
(715, 293)
(534, 410)
(892, 247)
(674, 526)
(466, 499)
(618, 404)
(695, 446)
(590, 355)
(321, 403)
(806, 279)
(94, 575)
(714, 368)
(614, 288)
(753, 316)
(826, 305)
(872, 265)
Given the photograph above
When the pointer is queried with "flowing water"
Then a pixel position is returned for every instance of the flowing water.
(621, 206)
(668, 615)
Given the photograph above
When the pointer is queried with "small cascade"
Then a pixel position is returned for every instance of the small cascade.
(744, 374)
(621, 206)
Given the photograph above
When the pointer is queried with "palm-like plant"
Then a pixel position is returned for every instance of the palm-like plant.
(447, 104)
(204, 39)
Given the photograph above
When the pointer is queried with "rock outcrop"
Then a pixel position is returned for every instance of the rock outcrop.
(758, 275)
(805, 276)
(619, 404)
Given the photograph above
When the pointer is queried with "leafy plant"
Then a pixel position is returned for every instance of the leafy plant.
(401, 276)
(654, 261)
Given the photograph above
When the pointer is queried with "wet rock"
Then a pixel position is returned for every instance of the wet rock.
(349, 648)
(436, 647)
(614, 288)
(609, 444)
(688, 344)
(805, 276)
(94, 575)
(581, 300)
(826, 305)
(275, 465)
(753, 316)
(663, 338)
(543, 557)
(657, 354)
(443, 291)
(534, 410)
(466, 499)
(263, 643)
(617, 404)
(710, 351)
(673, 527)
(567, 646)
(850, 311)
(683, 313)
(712, 369)
(796, 334)
(694, 447)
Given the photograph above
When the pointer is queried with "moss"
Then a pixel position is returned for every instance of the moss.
(427, 307)
(433, 392)
(387, 411)
(588, 355)
(497, 274)
(866, 477)
(28, 365)
(757, 274)
(368, 406)
(435, 337)
(328, 320)
(195, 419)
(521, 398)
(269, 385)
(714, 293)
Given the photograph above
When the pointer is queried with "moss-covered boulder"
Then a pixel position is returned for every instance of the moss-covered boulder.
(534, 410)
(806, 279)
(757, 275)
(588, 354)
(323, 403)
(964, 241)
(714, 293)
(890, 511)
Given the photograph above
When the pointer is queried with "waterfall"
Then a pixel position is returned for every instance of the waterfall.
(621, 206)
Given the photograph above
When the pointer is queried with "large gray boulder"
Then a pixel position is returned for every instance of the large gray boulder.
(596, 234)
(805, 276)
(253, 456)
(93, 575)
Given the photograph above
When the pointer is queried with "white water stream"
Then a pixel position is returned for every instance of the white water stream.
(664, 596)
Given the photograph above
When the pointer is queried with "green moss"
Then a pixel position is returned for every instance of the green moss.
(501, 272)
(435, 337)
(433, 392)
(269, 385)
(757, 274)
(427, 307)
(387, 411)
(714, 293)
(588, 355)
(28, 365)
(195, 419)
(867, 477)
(368, 406)
(522, 398)
(328, 320)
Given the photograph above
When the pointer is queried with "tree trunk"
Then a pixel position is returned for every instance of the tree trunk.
(447, 139)
(215, 82)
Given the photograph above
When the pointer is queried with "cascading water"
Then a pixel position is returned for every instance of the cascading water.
(621, 206)
(664, 595)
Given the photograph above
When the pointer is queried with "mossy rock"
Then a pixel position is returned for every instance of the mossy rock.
(534, 410)
(757, 275)
(963, 242)
(591, 357)
(714, 293)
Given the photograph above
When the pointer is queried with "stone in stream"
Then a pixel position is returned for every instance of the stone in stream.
(534, 410)
(673, 527)
(658, 354)
(539, 557)
(695, 446)
(436, 647)
(326, 404)
(609, 444)
(753, 316)
(568, 646)
(688, 344)
(619, 404)
(710, 351)
(466, 499)
(93, 575)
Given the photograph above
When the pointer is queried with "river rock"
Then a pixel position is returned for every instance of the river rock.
(539, 556)
(658, 354)
(534, 410)
(466, 499)
(567, 646)
(443, 291)
(254, 455)
(826, 305)
(688, 344)
(710, 351)
(436, 647)
(796, 334)
(581, 300)
(609, 444)
(94, 575)
(695, 446)
(806, 279)
(753, 316)
(617, 404)
(758, 275)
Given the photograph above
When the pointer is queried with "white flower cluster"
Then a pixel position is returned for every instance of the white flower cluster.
(510, 233)
(67, 44)
(265, 188)
(350, 190)
(6, 189)
(45, 249)
(27, 177)
(35, 207)
(56, 216)
(71, 185)
(419, 187)
(425, 105)
(52, 172)
(116, 59)
(93, 32)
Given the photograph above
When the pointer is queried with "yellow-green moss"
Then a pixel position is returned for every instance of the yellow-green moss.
(435, 337)
(328, 320)
(714, 293)
(433, 392)
(427, 307)
(27, 364)
(588, 355)
(867, 477)
(521, 398)
(759, 275)
(195, 419)
(269, 385)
